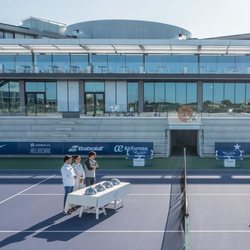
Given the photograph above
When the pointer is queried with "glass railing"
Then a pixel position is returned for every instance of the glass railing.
(129, 70)
(124, 64)
(156, 110)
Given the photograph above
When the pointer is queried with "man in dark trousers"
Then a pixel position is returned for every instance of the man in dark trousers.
(68, 178)
(90, 167)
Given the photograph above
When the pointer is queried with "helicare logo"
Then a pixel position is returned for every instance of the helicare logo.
(118, 148)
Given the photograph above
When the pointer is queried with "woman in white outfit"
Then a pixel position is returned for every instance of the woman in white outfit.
(79, 172)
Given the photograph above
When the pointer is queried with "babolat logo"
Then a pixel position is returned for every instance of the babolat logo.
(118, 148)
(74, 148)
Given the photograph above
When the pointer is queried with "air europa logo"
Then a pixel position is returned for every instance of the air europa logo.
(118, 148)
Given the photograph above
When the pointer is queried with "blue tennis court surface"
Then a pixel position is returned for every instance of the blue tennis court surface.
(219, 200)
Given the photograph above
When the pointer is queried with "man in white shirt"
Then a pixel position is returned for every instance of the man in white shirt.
(68, 178)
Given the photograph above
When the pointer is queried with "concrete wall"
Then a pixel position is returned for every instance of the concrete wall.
(223, 129)
(125, 129)
(105, 129)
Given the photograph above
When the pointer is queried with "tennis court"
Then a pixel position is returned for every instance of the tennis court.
(218, 205)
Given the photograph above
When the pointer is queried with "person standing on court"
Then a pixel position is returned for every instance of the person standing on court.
(90, 167)
(68, 178)
(78, 168)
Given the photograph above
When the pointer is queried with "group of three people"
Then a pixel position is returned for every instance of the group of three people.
(75, 176)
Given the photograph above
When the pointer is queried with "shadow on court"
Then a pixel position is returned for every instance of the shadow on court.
(61, 231)
(174, 237)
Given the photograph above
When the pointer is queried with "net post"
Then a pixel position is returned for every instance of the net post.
(186, 233)
(186, 215)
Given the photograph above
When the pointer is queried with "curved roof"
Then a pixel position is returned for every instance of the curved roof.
(125, 29)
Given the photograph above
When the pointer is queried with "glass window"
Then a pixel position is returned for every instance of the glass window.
(94, 86)
(248, 93)
(149, 92)
(226, 64)
(5, 96)
(229, 93)
(218, 92)
(189, 64)
(208, 64)
(14, 96)
(61, 63)
(243, 64)
(149, 97)
(116, 64)
(9, 96)
(208, 90)
(170, 92)
(172, 63)
(181, 93)
(28, 36)
(99, 63)
(132, 96)
(8, 35)
(18, 35)
(1, 34)
(160, 92)
(43, 63)
(134, 64)
(79, 63)
(35, 87)
(7, 63)
(51, 99)
(240, 93)
(191, 93)
(24, 63)
(154, 64)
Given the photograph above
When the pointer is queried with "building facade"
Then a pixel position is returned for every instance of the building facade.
(111, 70)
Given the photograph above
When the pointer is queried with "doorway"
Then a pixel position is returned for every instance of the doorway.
(184, 138)
(94, 103)
(35, 103)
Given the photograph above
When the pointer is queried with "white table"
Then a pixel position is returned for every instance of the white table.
(113, 195)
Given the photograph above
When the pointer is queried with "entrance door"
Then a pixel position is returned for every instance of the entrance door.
(181, 139)
(35, 103)
(94, 103)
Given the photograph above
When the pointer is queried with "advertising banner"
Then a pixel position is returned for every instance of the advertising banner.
(72, 148)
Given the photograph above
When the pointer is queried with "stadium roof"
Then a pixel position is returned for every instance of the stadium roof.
(113, 46)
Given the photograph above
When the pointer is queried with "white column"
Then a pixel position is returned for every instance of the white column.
(62, 96)
(110, 102)
(73, 87)
(121, 95)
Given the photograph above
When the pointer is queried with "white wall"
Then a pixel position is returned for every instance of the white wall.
(121, 95)
(62, 95)
(110, 101)
(73, 89)
(68, 96)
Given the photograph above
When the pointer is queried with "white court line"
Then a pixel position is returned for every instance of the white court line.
(92, 231)
(144, 194)
(138, 176)
(40, 194)
(126, 231)
(27, 189)
(241, 177)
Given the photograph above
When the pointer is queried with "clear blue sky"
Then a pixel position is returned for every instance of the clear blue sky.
(203, 18)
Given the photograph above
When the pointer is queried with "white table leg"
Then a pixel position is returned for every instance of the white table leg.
(80, 214)
(97, 213)
(104, 210)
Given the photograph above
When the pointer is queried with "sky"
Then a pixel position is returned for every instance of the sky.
(202, 18)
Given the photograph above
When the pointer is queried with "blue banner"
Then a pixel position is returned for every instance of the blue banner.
(72, 148)
(231, 146)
